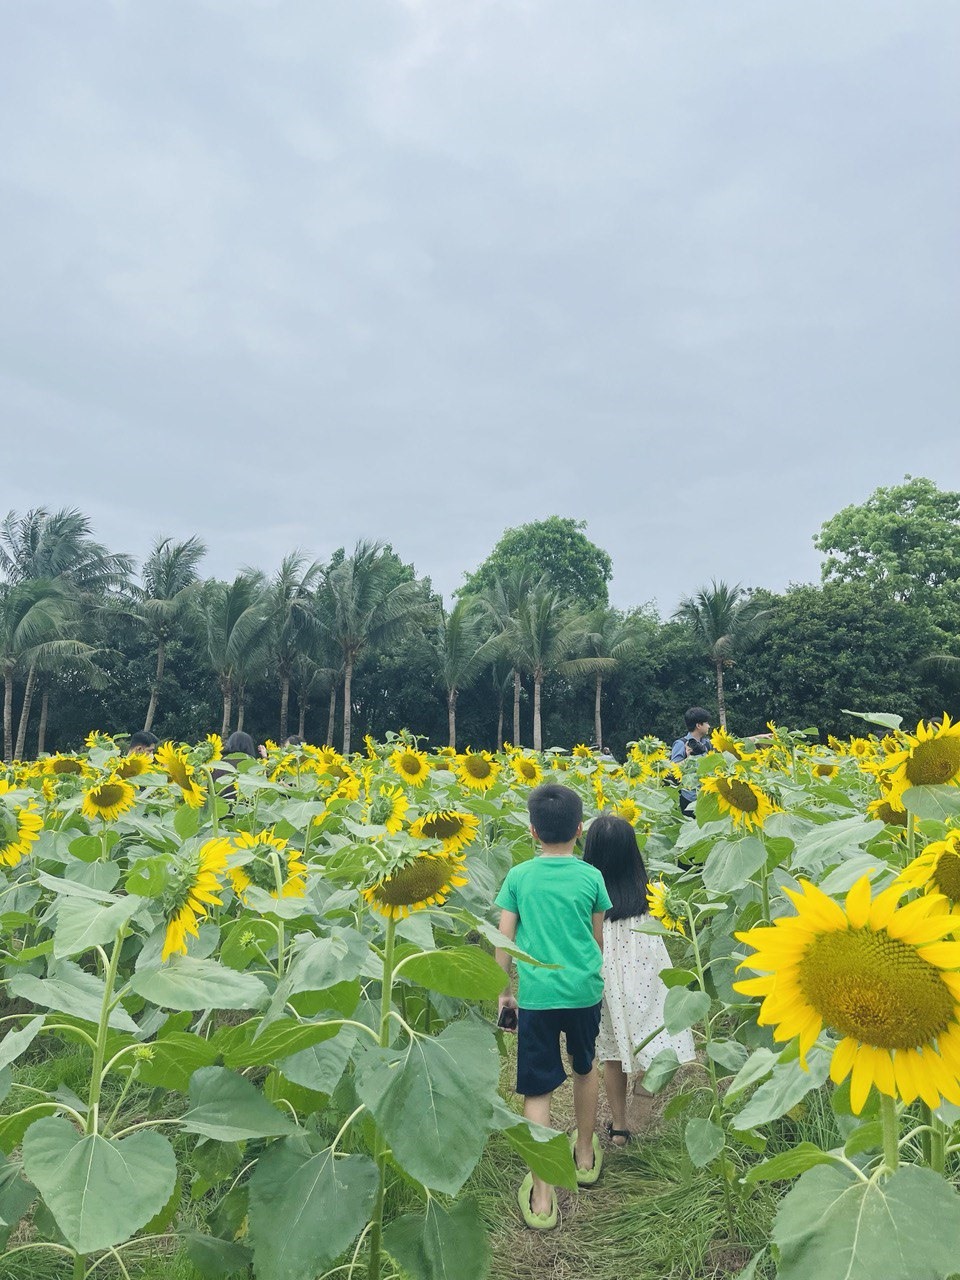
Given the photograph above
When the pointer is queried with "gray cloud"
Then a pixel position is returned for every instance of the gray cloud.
(287, 274)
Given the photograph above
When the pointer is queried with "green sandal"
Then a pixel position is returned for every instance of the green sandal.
(538, 1221)
(587, 1177)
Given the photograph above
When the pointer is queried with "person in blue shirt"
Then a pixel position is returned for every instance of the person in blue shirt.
(695, 742)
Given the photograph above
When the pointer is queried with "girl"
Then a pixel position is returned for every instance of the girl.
(633, 994)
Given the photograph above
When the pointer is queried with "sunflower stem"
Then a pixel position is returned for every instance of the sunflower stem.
(100, 1049)
(765, 892)
(937, 1144)
(891, 1133)
(281, 931)
(717, 1109)
(911, 836)
(380, 1147)
(926, 1134)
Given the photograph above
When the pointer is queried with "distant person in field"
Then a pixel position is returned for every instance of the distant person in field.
(553, 906)
(238, 744)
(142, 743)
(695, 742)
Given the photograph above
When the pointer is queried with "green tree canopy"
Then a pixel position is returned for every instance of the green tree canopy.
(557, 548)
(905, 538)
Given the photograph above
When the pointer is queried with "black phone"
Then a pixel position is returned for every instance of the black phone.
(507, 1019)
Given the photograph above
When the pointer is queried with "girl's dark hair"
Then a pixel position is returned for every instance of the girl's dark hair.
(239, 743)
(611, 846)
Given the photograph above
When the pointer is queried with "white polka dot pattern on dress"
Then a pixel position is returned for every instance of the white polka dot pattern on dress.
(633, 996)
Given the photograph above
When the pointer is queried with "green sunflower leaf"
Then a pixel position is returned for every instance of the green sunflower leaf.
(939, 803)
(100, 1191)
(837, 1227)
(703, 1140)
(683, 1008)
(545, 1151)
(806, 1155)
(226, 1106)
(81, 926)
(438, 1245)
(731, 863)
(307, 1207)
(419, 1095)
(186, 982)
(466, 972)
(15, 1042)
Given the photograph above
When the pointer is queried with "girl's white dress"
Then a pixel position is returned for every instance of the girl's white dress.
(633, 997)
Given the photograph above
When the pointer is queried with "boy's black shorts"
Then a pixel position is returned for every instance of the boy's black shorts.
(539, 1065)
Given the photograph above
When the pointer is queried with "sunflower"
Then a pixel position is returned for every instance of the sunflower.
(447, 753)
(19, 828)
(179, 770)
(388, 808)
(876, 973)
(527, 769)
(60, 764)
(824, 768)
(96, 738)
(582, 751)
(410, 764)
(861, 749)
(108, 798)
(629, 810)
(272, 856)
(133, 765)
(455, 828)
(348, 787)
(937, 870)
(931, 758)
(327, 758)
(720, 740)
(214, 746)
(666, 908)
(371, 746)
(886, 810)
(425, 881)
(477, 770)
(746, 804)
(196, 891)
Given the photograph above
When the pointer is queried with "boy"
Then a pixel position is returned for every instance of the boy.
(553, 907)
(695, 742)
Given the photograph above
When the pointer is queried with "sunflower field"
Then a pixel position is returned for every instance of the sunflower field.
(274, 983)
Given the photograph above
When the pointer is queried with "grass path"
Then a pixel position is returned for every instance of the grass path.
(652, 1216)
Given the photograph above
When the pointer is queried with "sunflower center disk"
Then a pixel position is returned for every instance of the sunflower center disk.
(421, 880)
(946, 877)
(106, 796)
(442, 827)
(739, 794)
(933, 762)
(875, 988)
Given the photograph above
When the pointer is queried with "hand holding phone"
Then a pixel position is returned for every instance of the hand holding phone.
(508, 1018)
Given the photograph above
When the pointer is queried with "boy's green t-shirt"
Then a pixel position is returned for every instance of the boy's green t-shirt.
(555, 899)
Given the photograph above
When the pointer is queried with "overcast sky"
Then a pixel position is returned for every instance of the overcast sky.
(289, 274)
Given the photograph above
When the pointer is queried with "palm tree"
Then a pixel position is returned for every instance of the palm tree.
(31, 617)
(365, 605)
(724, 620)
(503, 601)
(169, 586)
(501, 678)
(547, 635)
(294, 623)
(236, 623)
(611, 637)
(58, 548)
(463, 645)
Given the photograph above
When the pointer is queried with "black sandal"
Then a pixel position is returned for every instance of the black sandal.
(618, 1133)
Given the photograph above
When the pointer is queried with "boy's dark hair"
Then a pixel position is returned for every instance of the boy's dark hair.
(696, 715)
(294, 740)
(555, 813)
(239, 743)
(143, 738)
(611, 846)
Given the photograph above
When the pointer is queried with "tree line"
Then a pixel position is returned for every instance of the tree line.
(529, 649)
